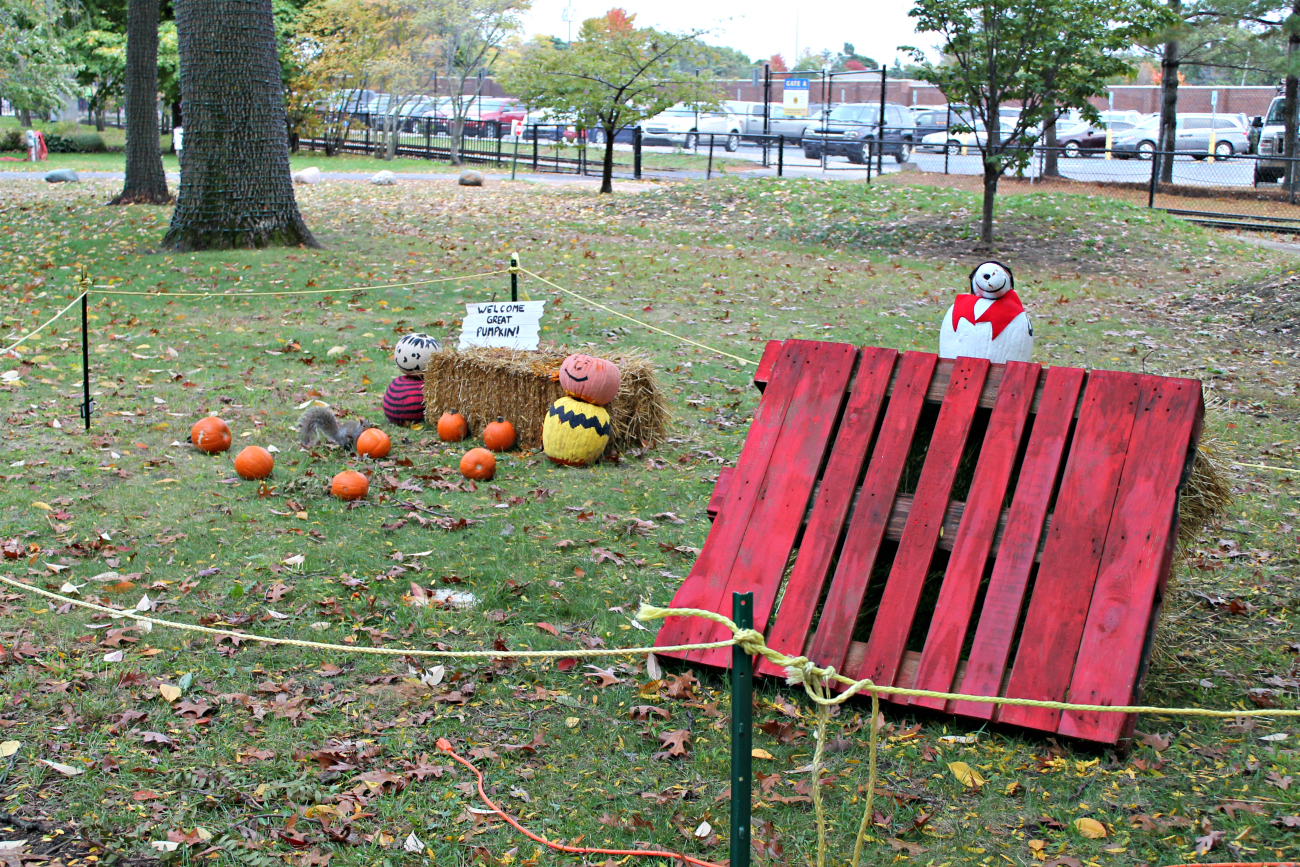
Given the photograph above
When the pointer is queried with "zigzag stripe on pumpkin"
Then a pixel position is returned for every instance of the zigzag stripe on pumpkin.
(575, 419)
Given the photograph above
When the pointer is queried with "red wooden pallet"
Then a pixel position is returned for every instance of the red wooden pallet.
(1044, 583)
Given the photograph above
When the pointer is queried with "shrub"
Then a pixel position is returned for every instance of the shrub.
(77, 143)
(13, 140)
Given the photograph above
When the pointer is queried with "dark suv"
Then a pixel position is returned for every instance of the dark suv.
(852, 128)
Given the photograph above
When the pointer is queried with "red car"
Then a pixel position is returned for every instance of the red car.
(1078, 140)
(491, 118)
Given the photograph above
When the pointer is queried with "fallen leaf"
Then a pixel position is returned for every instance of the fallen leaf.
(66, 770)
(413, 844)
(759, 753)
(1090, 828)
(169, 692)
(676, 743)
(966, 775)
(8, 748)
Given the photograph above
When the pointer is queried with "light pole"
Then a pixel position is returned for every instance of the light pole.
(567, 17)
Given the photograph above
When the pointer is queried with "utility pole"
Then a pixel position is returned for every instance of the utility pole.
(567, 17)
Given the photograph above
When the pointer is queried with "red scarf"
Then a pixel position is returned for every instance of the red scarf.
(999, 313)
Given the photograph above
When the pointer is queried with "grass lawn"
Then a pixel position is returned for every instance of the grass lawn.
(274, 755)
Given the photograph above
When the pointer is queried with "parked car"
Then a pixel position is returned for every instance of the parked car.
(973, 136)
(1271, 144)
(683, 125)
(1086, 138)
(932, 119)
(548, 126)
(852, 129)
(1193, 135)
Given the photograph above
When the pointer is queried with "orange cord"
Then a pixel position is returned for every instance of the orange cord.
(445, 746)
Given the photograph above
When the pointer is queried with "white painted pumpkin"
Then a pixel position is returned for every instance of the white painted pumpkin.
(990, 322)
(412, 352)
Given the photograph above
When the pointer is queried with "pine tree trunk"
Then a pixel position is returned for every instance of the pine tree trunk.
(236, 189)
(145, 184)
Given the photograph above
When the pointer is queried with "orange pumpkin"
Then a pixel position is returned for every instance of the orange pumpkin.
(478, 464)
(452, 427)
(594, 380)
(254, 462)
(349, 485)
(374, 443)
(210, 435)
(499, 436)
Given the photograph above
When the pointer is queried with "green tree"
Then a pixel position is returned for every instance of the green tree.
(611, 79)
(35, 69)
(1048, 55)
(100, 60)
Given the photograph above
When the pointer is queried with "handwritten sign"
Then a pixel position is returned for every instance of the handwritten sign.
(507, 324)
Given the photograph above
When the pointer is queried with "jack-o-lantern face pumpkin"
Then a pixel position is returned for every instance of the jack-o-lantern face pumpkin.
(594, 380)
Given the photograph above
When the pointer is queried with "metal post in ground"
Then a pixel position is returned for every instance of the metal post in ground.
(767, 111)
(708, 174)
(742, 733)
(947, 125)
(87, 405)
(535, 138)
(780, 155)
(514, 276)
(514, 163)
(636, 153)
(867, 149)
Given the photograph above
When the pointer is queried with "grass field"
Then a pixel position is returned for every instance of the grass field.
(280, 755)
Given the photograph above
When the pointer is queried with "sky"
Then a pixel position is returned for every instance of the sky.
(759, 28)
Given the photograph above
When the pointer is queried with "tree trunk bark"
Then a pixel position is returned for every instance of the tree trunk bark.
(607, 168)
(25, 118)
(236, 189)
(457, 139)
(145, 184)
(1289, 100)
(1051, 160)
(1168, 102)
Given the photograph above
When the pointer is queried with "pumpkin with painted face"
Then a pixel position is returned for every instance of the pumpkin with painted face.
(594, 380)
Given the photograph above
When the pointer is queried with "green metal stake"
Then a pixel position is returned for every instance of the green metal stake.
(514, 276)
(742, 733)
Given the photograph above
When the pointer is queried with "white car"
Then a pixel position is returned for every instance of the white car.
(683, 126)
(953, 141)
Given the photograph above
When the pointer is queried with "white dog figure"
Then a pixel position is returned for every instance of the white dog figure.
(990, 322)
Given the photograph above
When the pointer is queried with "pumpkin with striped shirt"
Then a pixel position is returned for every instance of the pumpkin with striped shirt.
(404, 400)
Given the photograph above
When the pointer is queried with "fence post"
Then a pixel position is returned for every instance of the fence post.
(780, 155)
(868, 146)
(536, 136)
(708, 173)
(428, 139)
(367, 139)
(498, 145)
(514, 276)
(636, 153)
(1156, 157)
(87, 405)
(742, 732)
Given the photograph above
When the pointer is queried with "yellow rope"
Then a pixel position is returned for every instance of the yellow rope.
(347, 648)
(823, 715)
(42, 326)
(871, 781)
(1265, 467)
(799, 670)
(607, 309)
(342, 291)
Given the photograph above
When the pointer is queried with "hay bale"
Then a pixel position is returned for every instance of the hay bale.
(486, 383)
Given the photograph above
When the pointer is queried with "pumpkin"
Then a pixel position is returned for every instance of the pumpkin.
(374, 443)
(594, 380)
(254, 462)
(575, 433)
(478, 464)
(411, 355)
(210, 435)
(499, 436)
(349, 485)
(452, 427)
(404, 400)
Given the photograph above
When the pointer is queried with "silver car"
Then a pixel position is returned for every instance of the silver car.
(1196, 135)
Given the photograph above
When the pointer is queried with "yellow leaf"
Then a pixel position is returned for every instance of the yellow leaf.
(966, 775)
(1090, 828)
(39, 505)
(169, 692)
(571, 722)
(66, 770)
(1037, 845)
(760, 754)
(8, 748)
(301, 516)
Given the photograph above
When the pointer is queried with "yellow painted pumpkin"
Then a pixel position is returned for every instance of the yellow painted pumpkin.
(594, 380)
(575, 433)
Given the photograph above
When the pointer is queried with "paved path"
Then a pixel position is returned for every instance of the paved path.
(552, 180)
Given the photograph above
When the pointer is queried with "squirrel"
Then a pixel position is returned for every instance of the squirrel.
(320, 420)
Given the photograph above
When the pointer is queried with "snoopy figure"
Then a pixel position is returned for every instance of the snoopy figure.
(990, 322)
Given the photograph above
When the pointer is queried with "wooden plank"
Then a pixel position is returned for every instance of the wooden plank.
(719, 494)
(770, 533)
(867, 527)
(961, 581)
(830, 508)
(704, 584)
(1063, 590)
(893, 621)
(763, 372)
(1024, 530)
(1137, 555)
